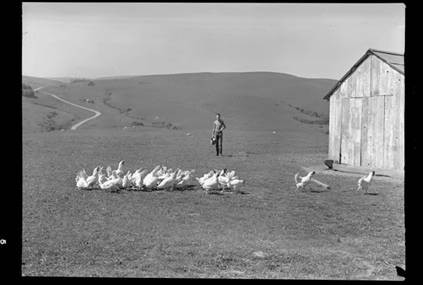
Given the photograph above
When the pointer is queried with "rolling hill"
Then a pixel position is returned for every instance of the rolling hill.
(35, 82)
(247, 101)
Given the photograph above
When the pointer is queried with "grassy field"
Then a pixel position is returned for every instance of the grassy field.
(271, 231)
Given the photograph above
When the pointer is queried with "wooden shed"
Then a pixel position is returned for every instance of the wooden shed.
(366, 113)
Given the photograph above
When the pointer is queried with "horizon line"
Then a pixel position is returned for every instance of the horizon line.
(163, 74)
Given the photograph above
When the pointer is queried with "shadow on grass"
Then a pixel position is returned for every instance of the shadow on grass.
(215, 192)
(191, 187)
(134, 189)
(241, 154)
(318, 191)
(354, 172)
(220, 192)
(241, 192)
(186, 188)
(371, 193)
(382, 175)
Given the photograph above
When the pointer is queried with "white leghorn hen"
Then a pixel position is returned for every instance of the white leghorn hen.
(83, 173)
(224, 180)
(179, 173)
(112, 184)
(365, 181)
(185, 179)
(212, 182)
(137, 177)
(167, 182)
(91, 180)
(129, 176)
(119, 170)
(125, 180)
(109, 171)
(162, 171)
(204, 177)
(235, 184)
(84, 182)
(301, 182)
(151, 179)
(81, 182)
(231, 174)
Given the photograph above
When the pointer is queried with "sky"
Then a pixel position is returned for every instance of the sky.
(93, 40)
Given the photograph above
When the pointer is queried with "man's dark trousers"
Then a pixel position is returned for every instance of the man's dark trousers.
(219, 143)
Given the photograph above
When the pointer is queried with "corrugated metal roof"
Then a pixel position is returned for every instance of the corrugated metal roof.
(395, 60)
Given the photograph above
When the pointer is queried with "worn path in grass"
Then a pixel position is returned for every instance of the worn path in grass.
(272, 231)
(74, 127)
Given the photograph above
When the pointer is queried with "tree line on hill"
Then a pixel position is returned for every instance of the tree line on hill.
(83, 80)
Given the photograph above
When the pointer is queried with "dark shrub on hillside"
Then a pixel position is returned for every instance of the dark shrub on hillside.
(158, 124)
(79, 80)
(27, 91)
(135, 123)
(91, 83)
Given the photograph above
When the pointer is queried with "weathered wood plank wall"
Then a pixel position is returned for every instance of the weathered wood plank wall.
(345, 132)
(400, 154)
(355, 129)
(366, 125)
(366, 159)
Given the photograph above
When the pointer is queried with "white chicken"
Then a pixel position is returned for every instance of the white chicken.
(204, 177)
(231, 174)
(109, 171)
(365, 181)
(162, 171)
(220, 179)
(185, 179)
(126, 180)
(137, 177)
(119, 170)
(81, 182)
(84, 182)
(168, 182)
(235, 184)
(129, 176)
(151, 179)
(224, 181)
(301, 182)
(211, 183)
(112, 184)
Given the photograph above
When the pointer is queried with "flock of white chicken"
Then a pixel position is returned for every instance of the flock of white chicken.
(220, 180)
(163, 178)
(160, 178)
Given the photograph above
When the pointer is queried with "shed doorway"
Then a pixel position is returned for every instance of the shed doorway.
(363, 131)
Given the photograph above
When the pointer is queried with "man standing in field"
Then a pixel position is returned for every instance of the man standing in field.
(217, 133)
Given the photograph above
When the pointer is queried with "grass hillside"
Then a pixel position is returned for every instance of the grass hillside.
(248, 101)
(36, 82)
(43, 113)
